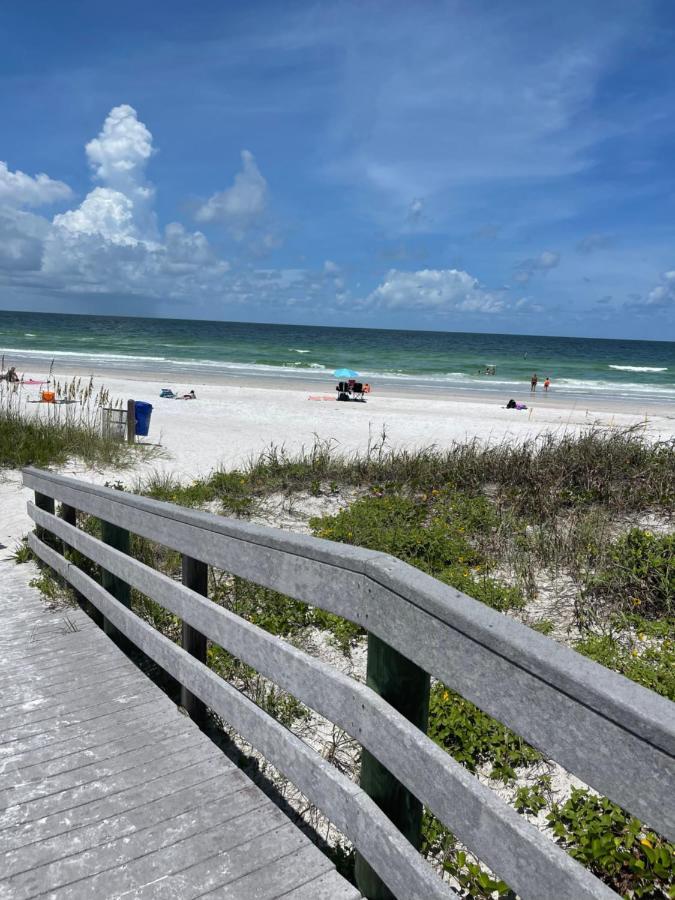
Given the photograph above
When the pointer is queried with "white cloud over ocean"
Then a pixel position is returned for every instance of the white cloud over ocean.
(110, 243)
(663, 294)
(241, 206)
(435, 290)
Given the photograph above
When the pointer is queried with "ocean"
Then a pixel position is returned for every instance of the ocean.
(433, 360)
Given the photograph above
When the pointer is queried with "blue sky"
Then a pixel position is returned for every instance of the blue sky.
(478, 165)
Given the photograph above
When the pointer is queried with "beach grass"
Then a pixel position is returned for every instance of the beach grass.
(619, 470)
(44, 444)
(49, 434)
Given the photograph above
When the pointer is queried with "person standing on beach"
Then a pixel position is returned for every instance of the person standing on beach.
(533, 383)
(547, 383)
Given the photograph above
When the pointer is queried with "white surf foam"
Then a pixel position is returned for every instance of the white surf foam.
(640, 368)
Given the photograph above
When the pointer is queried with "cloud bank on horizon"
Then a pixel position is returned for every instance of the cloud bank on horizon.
(459, 169)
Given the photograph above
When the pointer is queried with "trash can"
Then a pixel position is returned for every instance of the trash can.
(143, 414)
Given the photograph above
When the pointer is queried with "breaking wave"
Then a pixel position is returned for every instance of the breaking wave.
(640, 368)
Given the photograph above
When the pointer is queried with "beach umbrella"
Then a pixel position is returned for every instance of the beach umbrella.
(345, 373)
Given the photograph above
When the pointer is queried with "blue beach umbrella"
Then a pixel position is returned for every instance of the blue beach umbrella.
(345, 373)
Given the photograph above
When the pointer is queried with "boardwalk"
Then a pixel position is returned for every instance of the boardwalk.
(107, 790)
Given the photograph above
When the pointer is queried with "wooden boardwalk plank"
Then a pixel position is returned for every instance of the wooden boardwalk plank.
(322, 888)
(166, 781)
(105, 830)
(106, 790)
(251, 849)
(121, 852)
(45, 777)
(30, 753)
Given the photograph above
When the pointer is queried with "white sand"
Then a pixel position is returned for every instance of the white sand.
(229, 423)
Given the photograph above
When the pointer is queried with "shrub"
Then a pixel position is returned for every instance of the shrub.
(615, 846)
(639, 574)
(475, 739)
(532, 799)
(433, 531)
(475, 882)
(644, 652)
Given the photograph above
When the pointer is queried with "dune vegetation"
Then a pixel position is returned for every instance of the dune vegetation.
(50, 434)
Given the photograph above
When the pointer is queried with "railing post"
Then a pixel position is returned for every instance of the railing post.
(195, 577)
(69, 514)
(131, 421)
(405, 687)
(119, 539)
(45, 503)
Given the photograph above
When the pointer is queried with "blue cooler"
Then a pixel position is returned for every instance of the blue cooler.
(143, 414)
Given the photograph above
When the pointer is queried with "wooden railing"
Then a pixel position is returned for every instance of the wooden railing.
(615, 735)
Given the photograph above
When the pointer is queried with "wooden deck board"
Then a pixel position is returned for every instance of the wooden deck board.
(107, 790)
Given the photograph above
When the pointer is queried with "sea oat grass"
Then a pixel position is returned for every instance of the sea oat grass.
(619, 470)
(48, 434)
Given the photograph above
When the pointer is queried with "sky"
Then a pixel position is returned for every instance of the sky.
(469, 165)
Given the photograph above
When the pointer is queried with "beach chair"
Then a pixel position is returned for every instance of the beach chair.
(343, 390)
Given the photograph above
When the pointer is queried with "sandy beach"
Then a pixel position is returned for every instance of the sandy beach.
(229, 423)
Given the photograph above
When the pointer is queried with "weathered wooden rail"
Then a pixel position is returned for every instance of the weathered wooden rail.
(615, 735)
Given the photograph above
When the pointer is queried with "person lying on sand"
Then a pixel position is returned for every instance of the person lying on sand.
(513, 405)
(190, 396)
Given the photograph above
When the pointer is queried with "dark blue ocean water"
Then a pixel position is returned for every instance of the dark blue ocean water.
(444, 360)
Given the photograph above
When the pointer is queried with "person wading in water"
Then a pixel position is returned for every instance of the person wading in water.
(533, 382)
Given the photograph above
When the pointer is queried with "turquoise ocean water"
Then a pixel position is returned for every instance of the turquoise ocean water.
(439, 361)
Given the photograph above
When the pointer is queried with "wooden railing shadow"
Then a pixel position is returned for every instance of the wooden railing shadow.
(613, 734)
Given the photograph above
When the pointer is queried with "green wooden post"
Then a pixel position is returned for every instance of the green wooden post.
(405, 687)
(131, 421)
(119, 539)
(195, 577)
(45, 503)
(69, 514)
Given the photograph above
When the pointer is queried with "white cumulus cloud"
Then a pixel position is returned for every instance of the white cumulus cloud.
(241, 206)
(18, 189)
(440, 290)
(110, 243)
(105, 212)
(118, 156)
(121, 210)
